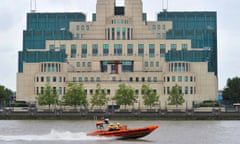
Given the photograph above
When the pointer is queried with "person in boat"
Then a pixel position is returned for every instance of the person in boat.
(117, 127)
(111, 127)
(99, 125)
(105, 120)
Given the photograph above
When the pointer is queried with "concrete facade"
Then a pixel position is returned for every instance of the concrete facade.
(120, 47)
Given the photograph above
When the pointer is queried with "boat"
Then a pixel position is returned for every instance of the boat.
(125, 133)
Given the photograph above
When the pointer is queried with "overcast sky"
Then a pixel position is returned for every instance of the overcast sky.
(13, 22)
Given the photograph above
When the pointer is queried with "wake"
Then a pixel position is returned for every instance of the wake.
(52, 136)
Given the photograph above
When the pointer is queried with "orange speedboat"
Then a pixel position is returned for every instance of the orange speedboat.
(124, 133)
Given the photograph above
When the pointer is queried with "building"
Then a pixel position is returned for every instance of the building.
(118, 46)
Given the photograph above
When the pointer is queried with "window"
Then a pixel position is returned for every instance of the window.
(74, 79)
(179, 78)
(84, 50)
(149, 79)
(89, 64)
(63, 47)
(51, 47)
(173, 78)
(153, 27)
(124, 33)
(48, 79)
(130, 49)
(86, 79)
(118, 33)
(158, 27)
(82, 27)
(78, 64)
(173, 47)
(184, 46)
(151, 50)
(141, 50)
(137, 79)
(87, 27)
(60, 79)
(186, 90)
(83, 64)
(80, 79)
(162, 50)
(105, 49)
(151, 64)
(92, 79)
(54, 79)
(113, 33)
(73, 51)
(95, 50)
(117, 49)
(155, 79)
(98, 79)
(157, 64)
(130, 79)
(146, 63)
(186, 78)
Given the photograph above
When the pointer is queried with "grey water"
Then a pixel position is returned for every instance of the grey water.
(74, 132)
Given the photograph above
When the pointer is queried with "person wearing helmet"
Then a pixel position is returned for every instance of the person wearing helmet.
(111, 127)
(117, 127)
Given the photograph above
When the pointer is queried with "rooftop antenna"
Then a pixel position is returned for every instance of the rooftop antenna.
(33, 6)
(165, 5)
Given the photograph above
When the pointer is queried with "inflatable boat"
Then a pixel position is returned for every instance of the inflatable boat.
(125, 133)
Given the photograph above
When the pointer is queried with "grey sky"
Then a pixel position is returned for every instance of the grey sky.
(13, 22)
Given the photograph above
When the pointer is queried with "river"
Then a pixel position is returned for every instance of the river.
(74, 132)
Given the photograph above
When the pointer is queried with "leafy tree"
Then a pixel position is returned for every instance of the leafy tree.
(75, 95)
(176, 96)
(5, 94)
(150, 97)
(232, 91)
(99, 98)
(125, 95)
(48, 97)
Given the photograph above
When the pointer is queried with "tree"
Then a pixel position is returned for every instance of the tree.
(176, 96)
(48, 97)
(232, 91)
(125, 95)
(5, 94)
(75, 95)
(99, 98)
(150, 96)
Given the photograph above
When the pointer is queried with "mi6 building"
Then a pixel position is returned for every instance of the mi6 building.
(119, 46)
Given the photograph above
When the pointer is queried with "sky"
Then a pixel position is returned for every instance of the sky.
(13, 22)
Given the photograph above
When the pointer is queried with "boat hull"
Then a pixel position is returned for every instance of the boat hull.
(125, 133)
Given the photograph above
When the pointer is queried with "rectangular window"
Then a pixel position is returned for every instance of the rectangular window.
(89, 64)
(117, 49)
(52, 47)
(130, 49)
(83, 64)
(124, 33)
(141, 50)
(63, 47)
(157, 64)
(173, 47)
(186, 90)
(151, 64)
(113, 33)
(173, 78)
(184, 46)
(73, 51)
(146, 63)
(54, 79)
(84, 50)
(186, 78)
(78, 64)
(94, 50)
(155, 79)
(80, 79)
(179, 78)
(48, 79)
(118, 33)
(151, 50)
(162, 50)
(105, 49)
(149, 79)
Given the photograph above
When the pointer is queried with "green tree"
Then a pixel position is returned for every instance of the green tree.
(75, 95)
(125, 95)
(48, 97)
(232, 90)
(99, 98)
(5, 94)
(176, 96)
(150, 96)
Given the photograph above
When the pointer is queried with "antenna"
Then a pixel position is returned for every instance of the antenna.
(164, 6)
(33, 3)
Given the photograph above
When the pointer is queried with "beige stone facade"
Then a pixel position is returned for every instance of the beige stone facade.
(117, 49)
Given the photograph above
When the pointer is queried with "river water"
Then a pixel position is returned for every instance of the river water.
(74, 132)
